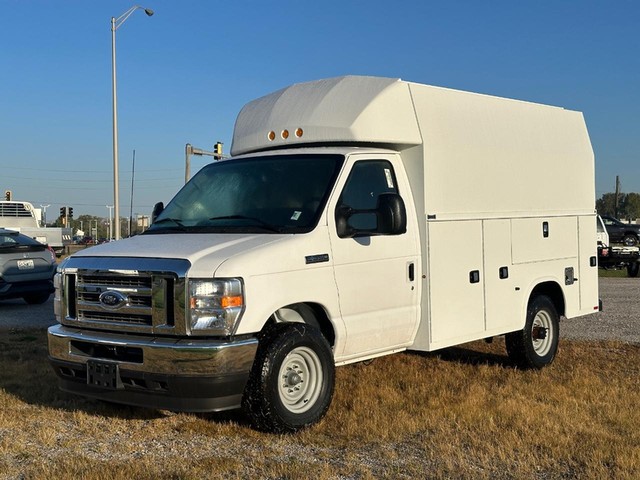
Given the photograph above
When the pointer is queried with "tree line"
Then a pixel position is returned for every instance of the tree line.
(627, 206)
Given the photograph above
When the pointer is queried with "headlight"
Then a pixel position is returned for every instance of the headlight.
(215, 306)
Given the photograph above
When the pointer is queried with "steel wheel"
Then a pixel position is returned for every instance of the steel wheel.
(300, 380)
(541, 333)
(291, 383)
(536, 345)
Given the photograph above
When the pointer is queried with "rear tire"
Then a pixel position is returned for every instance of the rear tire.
(633, 269)
(536, 345)
(291, 383)
(630, 240)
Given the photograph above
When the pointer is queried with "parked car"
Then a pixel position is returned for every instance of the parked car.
(27, 268)
(620, 232)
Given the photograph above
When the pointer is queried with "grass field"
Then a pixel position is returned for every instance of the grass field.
(461, 413)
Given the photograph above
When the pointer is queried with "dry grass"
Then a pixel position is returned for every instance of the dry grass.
(462, 413)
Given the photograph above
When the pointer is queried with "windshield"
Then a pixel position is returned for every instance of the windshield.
(273, 194)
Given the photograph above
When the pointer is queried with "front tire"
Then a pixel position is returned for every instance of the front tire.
(633, 269)
(291, 383)
(536, 345)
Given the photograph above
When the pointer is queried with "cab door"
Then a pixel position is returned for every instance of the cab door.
(376, 275)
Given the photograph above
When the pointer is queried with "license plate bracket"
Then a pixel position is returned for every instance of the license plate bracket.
(104, 375)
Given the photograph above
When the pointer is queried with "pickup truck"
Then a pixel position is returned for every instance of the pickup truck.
(616, 256)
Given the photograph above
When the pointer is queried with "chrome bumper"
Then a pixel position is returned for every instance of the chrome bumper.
(184, 374)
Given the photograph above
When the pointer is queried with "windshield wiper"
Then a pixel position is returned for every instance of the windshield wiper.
(261, 223)
(175, 221)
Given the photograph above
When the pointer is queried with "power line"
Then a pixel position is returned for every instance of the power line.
(88, 180)
(13, 167)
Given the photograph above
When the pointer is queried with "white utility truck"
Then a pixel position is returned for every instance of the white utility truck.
(24, 218)
(357, 217)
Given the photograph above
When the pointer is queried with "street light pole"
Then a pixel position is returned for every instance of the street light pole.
(44, 213)
(115, 24)
(110, 224)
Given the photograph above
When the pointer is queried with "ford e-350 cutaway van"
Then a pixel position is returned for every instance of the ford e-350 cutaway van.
(357, 217)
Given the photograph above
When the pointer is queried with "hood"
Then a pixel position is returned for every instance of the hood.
(213, 248)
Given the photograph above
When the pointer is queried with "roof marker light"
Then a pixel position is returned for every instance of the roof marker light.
(285, 134)
(271, 135)
(299, 132)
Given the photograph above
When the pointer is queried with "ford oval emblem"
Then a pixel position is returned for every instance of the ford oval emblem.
(113, 299)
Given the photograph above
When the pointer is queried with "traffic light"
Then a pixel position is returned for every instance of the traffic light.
(63, 211)
(217, 150)
(70, 212)
(7, 195)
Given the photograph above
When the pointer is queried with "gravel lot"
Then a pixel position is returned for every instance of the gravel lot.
(619, 320)
(620, 316)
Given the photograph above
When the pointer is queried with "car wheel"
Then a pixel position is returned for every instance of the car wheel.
(536, 345)
(290, 386)
(633, 268)
(630, 240)
(36, 298)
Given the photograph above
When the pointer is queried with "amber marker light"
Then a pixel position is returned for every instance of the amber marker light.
(285, 134)
(271, 135)
(299, 132)
(235, 301)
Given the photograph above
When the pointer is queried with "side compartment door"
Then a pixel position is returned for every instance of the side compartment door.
(376, 275)
(504, 299)
(588, 267)
(456, 281)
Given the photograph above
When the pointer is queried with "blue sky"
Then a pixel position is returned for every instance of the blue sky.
(184, 74)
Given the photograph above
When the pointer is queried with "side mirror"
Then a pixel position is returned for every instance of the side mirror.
(392, 214)
(390, 218)
(157, 210)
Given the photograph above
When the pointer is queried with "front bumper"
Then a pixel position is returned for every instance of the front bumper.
(181, 374)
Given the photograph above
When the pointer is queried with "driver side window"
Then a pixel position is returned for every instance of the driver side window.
(367, 180)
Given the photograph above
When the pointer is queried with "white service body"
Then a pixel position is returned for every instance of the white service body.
(499, 197)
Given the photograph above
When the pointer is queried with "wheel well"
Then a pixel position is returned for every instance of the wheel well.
(310, 313)
(554, 292)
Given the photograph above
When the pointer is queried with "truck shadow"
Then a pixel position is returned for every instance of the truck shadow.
(468, 356)
(475, 353)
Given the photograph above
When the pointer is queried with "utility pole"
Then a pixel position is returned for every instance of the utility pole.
(133, 172)
(615, 206)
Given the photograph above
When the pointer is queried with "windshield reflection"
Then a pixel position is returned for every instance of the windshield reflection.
(271, 194)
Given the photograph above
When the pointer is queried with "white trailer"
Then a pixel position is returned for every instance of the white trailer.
(357, 217)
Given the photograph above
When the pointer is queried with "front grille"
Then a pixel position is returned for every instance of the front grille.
(119, 281)
(136, 310)
(116, 318)
(145, 300)
(123, 294)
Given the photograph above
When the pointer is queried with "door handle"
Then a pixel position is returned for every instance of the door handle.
(412, 269)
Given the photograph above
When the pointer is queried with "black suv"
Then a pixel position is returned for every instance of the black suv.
(619, 232)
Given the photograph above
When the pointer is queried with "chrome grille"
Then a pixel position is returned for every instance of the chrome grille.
(140, 295)
(138, 291)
